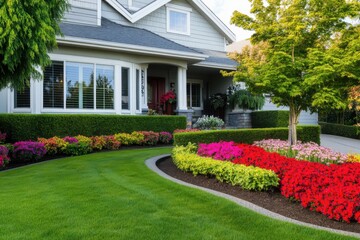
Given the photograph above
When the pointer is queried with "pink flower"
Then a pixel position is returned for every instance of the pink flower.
(220, 151)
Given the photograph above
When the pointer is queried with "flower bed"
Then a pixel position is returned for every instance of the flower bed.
(250, 178)
(331, 190)
(303, 151)
(27, 151)
(4, 159)
(220, 151)
(31, 151)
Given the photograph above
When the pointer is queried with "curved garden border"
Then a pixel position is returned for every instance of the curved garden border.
(151, 163)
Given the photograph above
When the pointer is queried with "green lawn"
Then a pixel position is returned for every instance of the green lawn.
(113, 195)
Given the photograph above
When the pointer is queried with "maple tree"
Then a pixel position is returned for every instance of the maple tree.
(305, 53)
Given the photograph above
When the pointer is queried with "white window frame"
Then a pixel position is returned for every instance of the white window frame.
(179, 9)
(89, 60)
(197, 81)
(137, 68)
(15, 109)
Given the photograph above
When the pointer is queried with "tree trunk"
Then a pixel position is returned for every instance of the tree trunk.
(293, 120)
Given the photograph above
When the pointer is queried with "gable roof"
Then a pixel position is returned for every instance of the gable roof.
(124, 38)
(198, 4)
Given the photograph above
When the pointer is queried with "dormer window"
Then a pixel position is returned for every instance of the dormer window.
(178, 19)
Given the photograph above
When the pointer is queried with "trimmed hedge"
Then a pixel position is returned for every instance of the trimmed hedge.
(31, 126)
(247, 177)
(310, 133)
(269, 119)
(340, 130)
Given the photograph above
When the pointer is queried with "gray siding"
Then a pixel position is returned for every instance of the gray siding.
(202, 33)
(304, 118)
(84, 12)
(123, 2)
(141, 3)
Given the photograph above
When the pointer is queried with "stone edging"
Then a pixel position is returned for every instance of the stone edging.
(151, 163)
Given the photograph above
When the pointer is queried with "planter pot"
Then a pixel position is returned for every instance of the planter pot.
(169, 108)
(239, 119)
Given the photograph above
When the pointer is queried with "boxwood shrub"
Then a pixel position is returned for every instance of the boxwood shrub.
(340, 130)
(308, 133)
(31, 126)
(269, 119)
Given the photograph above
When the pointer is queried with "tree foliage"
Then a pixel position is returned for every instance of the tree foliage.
(305, 53)
(27, 32)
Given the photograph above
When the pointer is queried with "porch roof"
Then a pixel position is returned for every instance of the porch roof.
(129, 38)
(216, 59)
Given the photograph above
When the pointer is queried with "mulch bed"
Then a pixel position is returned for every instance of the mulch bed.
(272, 201)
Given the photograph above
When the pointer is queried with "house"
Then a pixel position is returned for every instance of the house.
(121, 56)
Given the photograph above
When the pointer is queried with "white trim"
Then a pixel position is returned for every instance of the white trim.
(95, 61)
(139, 14)
(74, 41)
(215, 65)
(159, 3)
(177, 7)
(148, 9)
(11, 100)
(99, 12)
(221, 26)
(170, 9)
(74, 110)
(130, 94)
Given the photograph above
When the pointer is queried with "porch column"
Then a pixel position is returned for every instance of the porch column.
(181, 89)
(36, 88)
(182, 98)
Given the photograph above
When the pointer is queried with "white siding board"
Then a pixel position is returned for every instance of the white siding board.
(110, 13)
(89, 4)
(202, 33)
(81, 15)
(3, 100)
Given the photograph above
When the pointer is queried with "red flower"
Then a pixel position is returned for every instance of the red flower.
(170, 97)
(331, 190)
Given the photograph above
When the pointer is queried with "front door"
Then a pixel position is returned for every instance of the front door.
(156, 88)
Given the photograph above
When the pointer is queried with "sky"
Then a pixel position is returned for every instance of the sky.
(224, 9)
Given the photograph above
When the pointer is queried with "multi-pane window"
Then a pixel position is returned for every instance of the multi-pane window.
(53, 86)
(86, 86)
(194, 94)
(22, 98)
(125, 88)
(79, 85)
(178, 21)
(104, 87)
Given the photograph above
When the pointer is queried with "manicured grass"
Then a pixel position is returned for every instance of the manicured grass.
(113, 195)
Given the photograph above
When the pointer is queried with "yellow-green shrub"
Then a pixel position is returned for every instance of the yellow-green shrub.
(247, 177)
(54, 145)
(353, 158)
(130, 139)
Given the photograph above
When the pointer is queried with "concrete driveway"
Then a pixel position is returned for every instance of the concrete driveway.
(340, 144)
